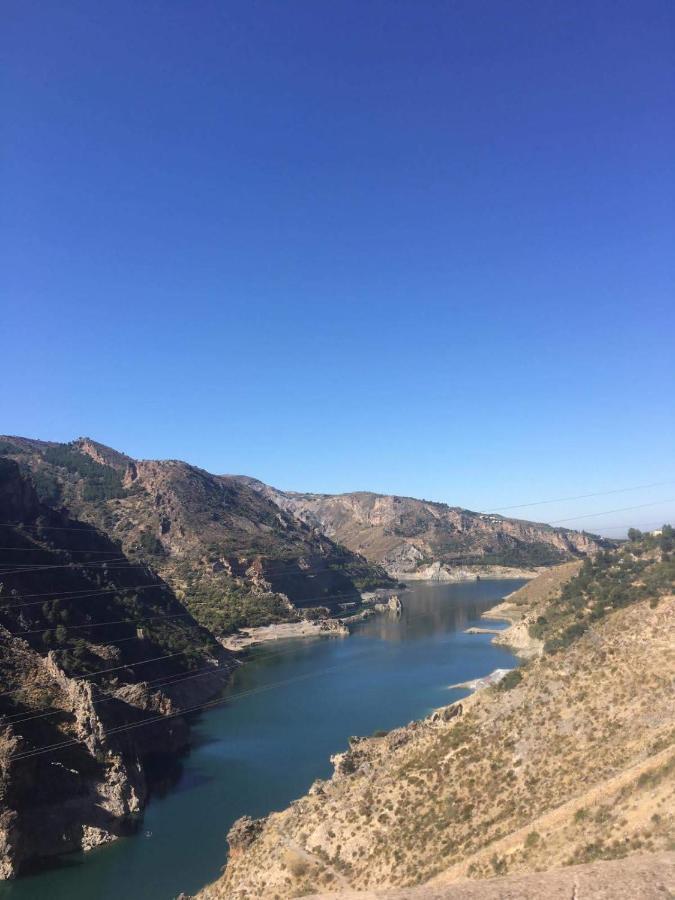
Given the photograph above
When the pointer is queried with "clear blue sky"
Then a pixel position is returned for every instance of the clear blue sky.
(414, 247)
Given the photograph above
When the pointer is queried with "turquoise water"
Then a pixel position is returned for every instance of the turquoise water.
(292, 706)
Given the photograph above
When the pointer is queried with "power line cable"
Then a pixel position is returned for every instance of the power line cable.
(129, 665)
(134, 622)
(638, 487)
(86, 594)
(653, 524)
(87, 525)
(49, 549)
(163, 718)
(609, 511)
(178, 679)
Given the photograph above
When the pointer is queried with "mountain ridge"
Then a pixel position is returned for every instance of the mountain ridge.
(242, 553)
(231, 554)
(408, 536)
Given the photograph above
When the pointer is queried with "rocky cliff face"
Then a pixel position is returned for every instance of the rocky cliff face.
(233, 555)
(409, 536)
(97, 661)
(567, 761)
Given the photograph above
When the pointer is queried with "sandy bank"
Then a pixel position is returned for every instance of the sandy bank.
(373, 602)
(517, 636)
(521, 608)
(281, 631)
(437, 572)
(477, 683)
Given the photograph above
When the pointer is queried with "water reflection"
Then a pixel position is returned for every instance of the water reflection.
(435, 609)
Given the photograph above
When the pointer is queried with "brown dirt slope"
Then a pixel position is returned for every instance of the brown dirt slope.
(523, 607)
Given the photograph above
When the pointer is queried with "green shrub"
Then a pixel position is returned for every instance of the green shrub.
(510, 680)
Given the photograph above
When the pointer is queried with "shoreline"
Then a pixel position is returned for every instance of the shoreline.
(346, 763)
(516, 637)
(280, 631)
(436, 573)
(372, 603)
(483, 681)
(520, 609)
(382, 602)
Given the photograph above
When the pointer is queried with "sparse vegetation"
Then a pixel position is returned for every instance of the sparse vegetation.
(229, 551)
(549, 768)
(641, 569)
(510, 680)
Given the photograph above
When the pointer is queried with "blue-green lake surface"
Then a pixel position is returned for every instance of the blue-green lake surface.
(290, 707)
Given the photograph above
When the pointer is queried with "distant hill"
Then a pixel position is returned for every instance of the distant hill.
(233, 555)
(91, 643)
(423, 539)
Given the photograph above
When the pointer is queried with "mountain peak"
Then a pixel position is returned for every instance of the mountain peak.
(100, 453)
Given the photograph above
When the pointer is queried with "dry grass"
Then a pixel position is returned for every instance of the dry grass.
(574, 764)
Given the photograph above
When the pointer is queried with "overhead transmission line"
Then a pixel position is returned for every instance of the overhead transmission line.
(638, 487)
(162, 718)
(176, 678)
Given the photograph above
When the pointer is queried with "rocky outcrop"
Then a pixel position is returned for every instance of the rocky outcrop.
(243, 833)
(522, 608)
(85, 792)
(282, 631)
(392, 604)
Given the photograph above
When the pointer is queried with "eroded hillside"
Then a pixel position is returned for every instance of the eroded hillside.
(570, 760)
(420, 539)
(229, 552)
